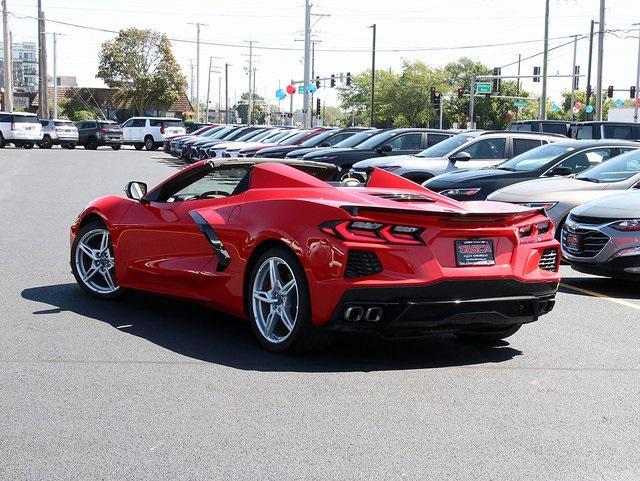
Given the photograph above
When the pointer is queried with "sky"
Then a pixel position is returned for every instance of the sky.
(434, 32)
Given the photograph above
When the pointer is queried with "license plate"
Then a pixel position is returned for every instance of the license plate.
(477, 252)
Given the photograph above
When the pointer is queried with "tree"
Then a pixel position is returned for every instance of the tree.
(141, 65)
(242, 107)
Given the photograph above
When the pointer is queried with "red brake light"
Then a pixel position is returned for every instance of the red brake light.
(535, 232)
(102, 129)
(373, 232)
(162, 129)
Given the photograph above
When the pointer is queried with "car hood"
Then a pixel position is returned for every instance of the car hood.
(623, 205)
(545, 189)
(328, 151)
(465, 176)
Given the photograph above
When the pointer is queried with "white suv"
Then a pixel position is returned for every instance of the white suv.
(58, 132)
(21, 129)
(150, 132)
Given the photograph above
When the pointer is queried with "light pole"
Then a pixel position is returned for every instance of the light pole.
(573, 79)
(545, 58)
(307, 63)
(600, 59)
(373, 75)
(8, 70)
(589, 66)
(635, 106)
(198, 25)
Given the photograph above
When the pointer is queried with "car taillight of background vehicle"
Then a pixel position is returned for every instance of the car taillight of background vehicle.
(373, 232)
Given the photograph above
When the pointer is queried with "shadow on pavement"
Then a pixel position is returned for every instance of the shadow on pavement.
(200, 333)
(615, 288)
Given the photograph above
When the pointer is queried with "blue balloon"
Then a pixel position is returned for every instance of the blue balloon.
(281, 94)
(619, 103)
(311, 88)
(588, 109)
(555, 107)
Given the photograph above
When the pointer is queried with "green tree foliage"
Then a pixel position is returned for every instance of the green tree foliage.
(141, 65)
(259, 110)
(76, 110)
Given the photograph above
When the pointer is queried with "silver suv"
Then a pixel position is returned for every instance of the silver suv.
(469, 150)
(58, 132)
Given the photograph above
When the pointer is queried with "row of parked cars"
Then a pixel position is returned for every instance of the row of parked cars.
(589, 187)
(24, 129)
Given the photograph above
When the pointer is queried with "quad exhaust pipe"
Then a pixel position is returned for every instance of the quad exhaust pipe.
(359, 313)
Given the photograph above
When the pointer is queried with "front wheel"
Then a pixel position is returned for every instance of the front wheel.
(92, 143)
(488, 337)
(279, 305)
(46, 142)
(149, 143)
(93, 263)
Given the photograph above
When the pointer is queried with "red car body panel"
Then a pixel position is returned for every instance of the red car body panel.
(158, 247)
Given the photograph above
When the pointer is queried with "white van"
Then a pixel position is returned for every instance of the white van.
(150, 132)
(21, 129)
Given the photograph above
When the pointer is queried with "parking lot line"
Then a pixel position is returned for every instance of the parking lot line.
(622, 302)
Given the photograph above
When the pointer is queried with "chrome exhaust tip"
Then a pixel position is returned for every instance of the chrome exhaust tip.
(353, 313)
(373, 314)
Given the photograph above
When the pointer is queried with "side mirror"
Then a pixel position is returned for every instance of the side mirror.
(560, 171)
(136, 190)
(384, 148)
(324, 144)
(460, 157)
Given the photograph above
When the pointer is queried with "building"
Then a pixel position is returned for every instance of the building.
(112, 104)
(25, 66)
(67, 81)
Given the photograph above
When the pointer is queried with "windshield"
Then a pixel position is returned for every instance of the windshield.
(294, 138)
(273, 136)
(217, 133)
(617, 169)
(376, 140)
(317, 139)
(173, 123)
(253, 135)
(278, 136)
(25, 119)
(446, 146)
(109, 126)
(535, 158)
(234, 135)
(357, 138)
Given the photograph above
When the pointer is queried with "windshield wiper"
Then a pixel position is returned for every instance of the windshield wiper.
(589, 179)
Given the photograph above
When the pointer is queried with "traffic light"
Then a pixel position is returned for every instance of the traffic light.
(536, 72)
(433, 94)
(333, 81)
(632, 92)
(348, 78)
(496, 81)
(318, 82)
(318, 107)
(610, 91)
(436, 102)
(576, 78)
(460, 92)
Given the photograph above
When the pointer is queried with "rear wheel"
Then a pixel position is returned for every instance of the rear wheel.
(279, 305)
(93, 263)
(138, 146)
(91, 144)
(2, 141)
(488, 337)
(46, 142)
(149, 143)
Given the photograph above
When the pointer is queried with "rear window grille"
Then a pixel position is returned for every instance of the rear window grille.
(362, 263)
(549, 260)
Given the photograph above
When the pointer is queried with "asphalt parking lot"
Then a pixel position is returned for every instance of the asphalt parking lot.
(153, 388)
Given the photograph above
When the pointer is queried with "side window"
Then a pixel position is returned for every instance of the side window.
(90, 125)
(406, 142)
(583, 160)
(44, 123)
(128, 123)
(155, 123)
(555, 128)
(624, 132)
(339, 138)
(139, 123)
(520, 146)
(584, 132)
(433, 139)
(487, 149)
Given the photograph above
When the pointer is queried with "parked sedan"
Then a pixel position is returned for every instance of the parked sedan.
(469, 150)
(166, 146)
(348, 143)
(329, 138)
(602, 237)
(559, 195)
(258, 137)
(551, 160)
(391, 143)
(295, 137)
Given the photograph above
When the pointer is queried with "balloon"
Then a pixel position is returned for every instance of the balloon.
(311, 88)
(281, 94)
(619, 103)
(555, 107)
(578, 105)
(291, 89)
(637, 102)
(588, 109)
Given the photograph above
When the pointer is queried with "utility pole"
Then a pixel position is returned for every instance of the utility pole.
(373, 75)
(226, 93)
(55, 75)
(573, 79)
(635, 103)
(472, 92)
(42, 58)
(8, 67)
(518, 86)
(545, 58)
(589, 65)
(193, 87)
(291, 105)
(219, 116)
(208, 90)
(198, 25)
(600, 59)
(307, 63)
(251, 86)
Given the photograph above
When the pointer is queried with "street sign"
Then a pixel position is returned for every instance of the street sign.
(483, 88)
(520, 103)
(301, 89)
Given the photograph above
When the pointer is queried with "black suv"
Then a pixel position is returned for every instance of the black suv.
(606, 130)
(548, 126)
(95, 133)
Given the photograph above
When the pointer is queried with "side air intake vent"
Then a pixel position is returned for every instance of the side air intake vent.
(362, 263)
(549, 260)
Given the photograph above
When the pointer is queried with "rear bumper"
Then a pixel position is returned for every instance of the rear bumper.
(448, 306)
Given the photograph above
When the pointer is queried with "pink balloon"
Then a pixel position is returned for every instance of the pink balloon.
(291, 89)
(638, 102)
(578, 105)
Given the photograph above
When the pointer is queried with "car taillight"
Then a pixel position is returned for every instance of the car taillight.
(373, 232)
(102, 129)
(536, 232)
(162, 130)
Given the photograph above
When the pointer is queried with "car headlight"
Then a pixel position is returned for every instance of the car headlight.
(627, 225)
(461, 192)
(540, 205)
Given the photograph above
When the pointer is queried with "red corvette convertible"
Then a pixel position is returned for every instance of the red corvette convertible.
(297, 256)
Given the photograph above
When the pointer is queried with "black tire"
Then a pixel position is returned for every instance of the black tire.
(488, 337)
(2, 141)
(91, 143)
(45, 143)
(116, 147)
(85, 229)
(139, 146)
(149, 143)
(304, 337)
(28, 146)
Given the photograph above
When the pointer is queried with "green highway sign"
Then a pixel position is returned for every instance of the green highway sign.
(301, 89)
(483, 88)
(520, 103)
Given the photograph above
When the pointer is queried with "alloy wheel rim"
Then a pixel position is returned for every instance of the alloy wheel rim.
(275, 300)
(94, 262)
